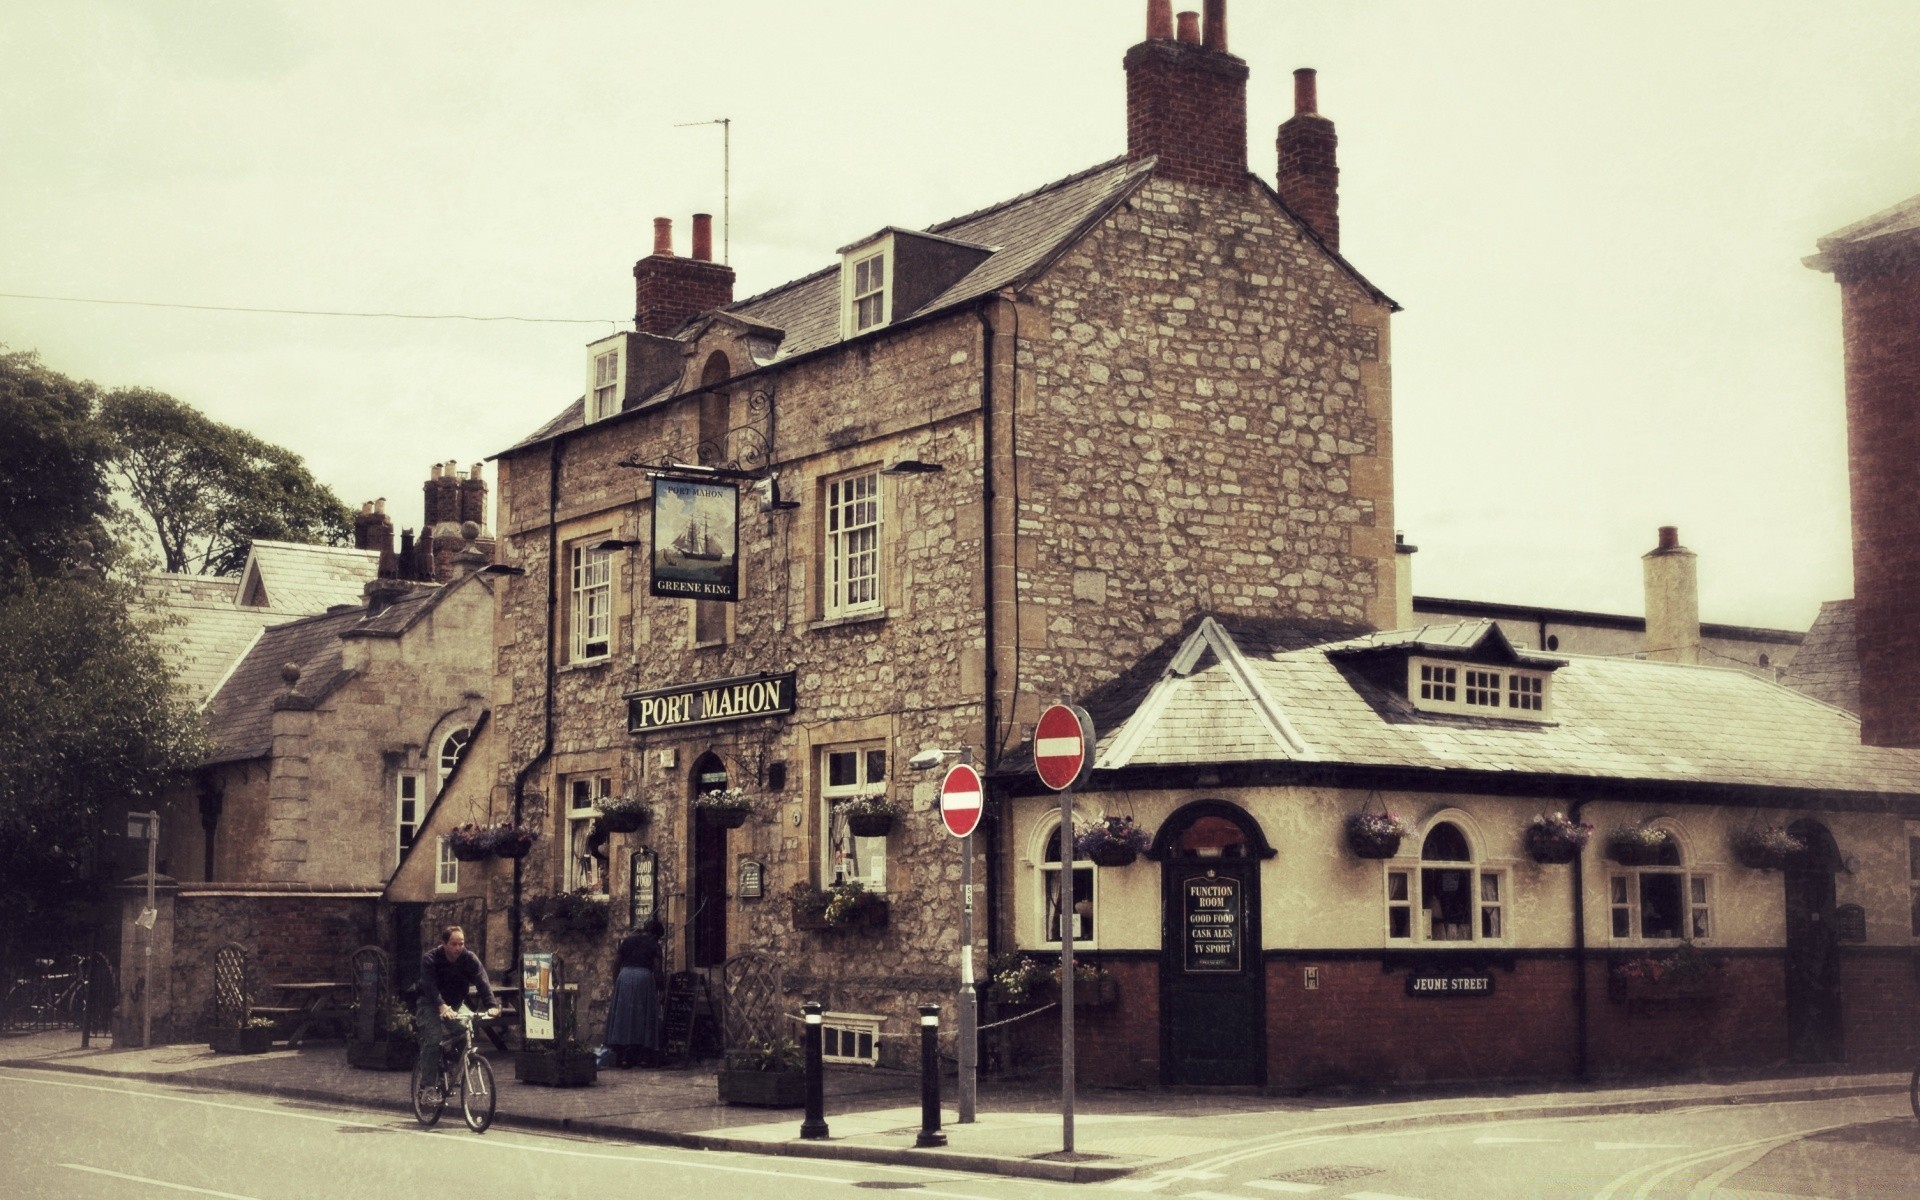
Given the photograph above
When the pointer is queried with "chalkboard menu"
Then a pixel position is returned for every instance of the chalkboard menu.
(686, 994)
(1211, 916)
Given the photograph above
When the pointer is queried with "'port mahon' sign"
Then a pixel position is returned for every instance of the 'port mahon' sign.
(1450, 983)
(705, 703)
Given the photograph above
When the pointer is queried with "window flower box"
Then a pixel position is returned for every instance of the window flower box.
(1111, 841)
(1556, 838)
(1375, 834)
(1765, 849)
(842, 906)
(1638, 846)
(625, 814)
(1687, 973)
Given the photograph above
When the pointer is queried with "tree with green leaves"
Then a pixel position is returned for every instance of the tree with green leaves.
(208, 490)
(53, 475)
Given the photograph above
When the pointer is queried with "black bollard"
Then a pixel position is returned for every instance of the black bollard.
(815, 1124)
(930, 1134)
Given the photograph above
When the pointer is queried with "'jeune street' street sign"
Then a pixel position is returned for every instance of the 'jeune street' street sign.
(1063, 746)
(960, 799)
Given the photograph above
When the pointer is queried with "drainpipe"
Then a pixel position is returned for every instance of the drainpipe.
(1579, 951)
(546, 740)
(990, 750)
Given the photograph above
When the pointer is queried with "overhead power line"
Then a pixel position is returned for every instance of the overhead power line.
(312, 312)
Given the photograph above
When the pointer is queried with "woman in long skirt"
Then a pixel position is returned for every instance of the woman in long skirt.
(633, 1016)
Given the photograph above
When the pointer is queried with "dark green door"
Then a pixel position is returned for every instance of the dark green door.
(1813, 962)
(1213, 993)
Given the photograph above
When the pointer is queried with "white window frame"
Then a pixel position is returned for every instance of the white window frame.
(589, 602)
(453, 748)
(606, 381)
(409, 807)
(841, 1034)
(1490, 901)
(854, 525)
(1471, 689)
(847, 857)
(1047, 877)
(1626, 904)
(583, 794)
(867, 286)
(446, 876)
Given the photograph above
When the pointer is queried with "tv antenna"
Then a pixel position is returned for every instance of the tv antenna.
(726, 182)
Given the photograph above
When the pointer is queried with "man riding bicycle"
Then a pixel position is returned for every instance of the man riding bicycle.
(447, 972)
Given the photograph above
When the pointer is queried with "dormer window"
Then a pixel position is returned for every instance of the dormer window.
(895, 273)
(1477, 689)
(869, 292)
(606, 379)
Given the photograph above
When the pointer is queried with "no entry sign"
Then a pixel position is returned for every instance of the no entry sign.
(1063, 746)
(960, 798)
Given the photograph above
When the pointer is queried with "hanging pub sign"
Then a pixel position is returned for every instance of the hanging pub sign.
(704, 703)
(642, 870)
(1210, 908)
(696, 539)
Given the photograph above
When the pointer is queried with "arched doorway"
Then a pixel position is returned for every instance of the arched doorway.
(1813, 961)
(1213, 992)
(707, 899)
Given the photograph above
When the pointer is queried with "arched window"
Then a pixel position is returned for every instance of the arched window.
(452, 749)
(1663, 901)
(1083, 896)
(1451, 897)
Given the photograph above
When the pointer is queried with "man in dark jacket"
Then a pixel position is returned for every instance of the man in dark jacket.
(447, 972)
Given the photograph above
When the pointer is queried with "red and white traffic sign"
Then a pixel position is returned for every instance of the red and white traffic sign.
(1063, 746)
(961, 797)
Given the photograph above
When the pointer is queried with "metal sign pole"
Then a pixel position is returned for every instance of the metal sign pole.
(1066, 971)
(969, 1031)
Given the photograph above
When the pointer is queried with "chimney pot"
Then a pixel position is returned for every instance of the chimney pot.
(1160, 20)
(703, 237)
(663, 236)
(435, 474)
(1669, 537)
(477, 470)
(1188, 28)
(1673, 600)
(1306, 100)
(1215, 35)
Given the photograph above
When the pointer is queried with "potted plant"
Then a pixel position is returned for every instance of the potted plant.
(395, 1046)
(1684, 973)
(1637, 845)
(870, 814)
(1015, 977)
(253, 1035)
(1375, 834)
(1556, 837)
(729, 807)
(1765, 848)
(578, 911)
(765, 1074)
(1111, 841)
(508, 840)
(470, 842)
(564, 1062)
(625, 814)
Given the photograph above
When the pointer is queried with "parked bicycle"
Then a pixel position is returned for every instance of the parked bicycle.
(462, 1066)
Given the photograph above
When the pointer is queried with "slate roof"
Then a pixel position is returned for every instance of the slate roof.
(1827, 666)
(240, 713)
(1219, 701)
(1897, 224)
(310, 579)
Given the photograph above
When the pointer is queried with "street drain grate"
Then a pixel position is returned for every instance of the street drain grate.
(1325, 1174)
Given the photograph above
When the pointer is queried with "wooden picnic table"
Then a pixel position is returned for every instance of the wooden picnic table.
(313, 1005)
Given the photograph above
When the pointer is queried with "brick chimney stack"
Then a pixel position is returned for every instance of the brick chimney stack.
(373, 530)
(1876, 262)
(1672, 579)
(441, 499)
(1309, 178)
(669, 290)
(473, 497)
(1187, 98)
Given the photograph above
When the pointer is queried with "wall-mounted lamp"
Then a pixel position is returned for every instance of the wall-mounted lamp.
(502, 569)
(912, 466)
(612, 544)
(770, 498)
(932, 757)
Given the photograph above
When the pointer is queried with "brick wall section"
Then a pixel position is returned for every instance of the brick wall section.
(1309, 173)
(668, 290)
(1879, 298)
(293, 938)
(1744, 1026)
(1187, 105)
(1114, 1046)
(1880, 992)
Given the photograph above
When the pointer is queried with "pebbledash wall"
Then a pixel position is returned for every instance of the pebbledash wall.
(1186, 408)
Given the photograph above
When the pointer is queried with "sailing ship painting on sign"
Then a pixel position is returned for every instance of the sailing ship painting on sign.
(696, 527)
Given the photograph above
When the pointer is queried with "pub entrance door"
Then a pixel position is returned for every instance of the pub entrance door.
(1213, 1028)
(1813, 964)
(707, 903)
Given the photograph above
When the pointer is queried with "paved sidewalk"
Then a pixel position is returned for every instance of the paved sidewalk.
(874, 1115)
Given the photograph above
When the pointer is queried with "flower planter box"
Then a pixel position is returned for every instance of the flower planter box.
(870, 825)
(1544, 847)
(763, 1089)
(384, 1054)
(555, 1068)
(1113, 856)
(241, 1041)
(872, 914)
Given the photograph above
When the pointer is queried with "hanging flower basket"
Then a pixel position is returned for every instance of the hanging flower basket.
(625, 814)
(511, 841)
(870, 825)
(868, 815)
(578, 911)
(1638, 846)
(1110, 841)
(728, 808)
(470, 843)
(1768, 848)
(1556, 838)
(1375, 834)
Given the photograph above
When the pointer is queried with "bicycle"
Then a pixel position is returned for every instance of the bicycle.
(475, 1078)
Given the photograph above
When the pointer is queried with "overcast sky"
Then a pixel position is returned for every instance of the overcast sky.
(1593, 213)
